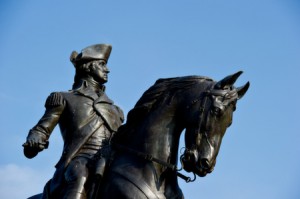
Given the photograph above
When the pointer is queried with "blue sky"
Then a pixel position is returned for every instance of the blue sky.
(259, 157)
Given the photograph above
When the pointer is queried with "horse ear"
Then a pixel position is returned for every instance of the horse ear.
(242, 90)
(228, 81)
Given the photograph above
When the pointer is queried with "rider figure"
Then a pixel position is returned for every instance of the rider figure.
(87, 119)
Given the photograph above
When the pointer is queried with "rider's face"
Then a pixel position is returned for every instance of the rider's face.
(99, 71)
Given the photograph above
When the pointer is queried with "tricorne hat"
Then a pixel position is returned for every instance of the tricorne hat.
(94, 52)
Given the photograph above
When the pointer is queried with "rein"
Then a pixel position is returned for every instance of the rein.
(209, 92)
(149, 157)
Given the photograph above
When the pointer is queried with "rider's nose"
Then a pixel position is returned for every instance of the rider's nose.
(107, 69)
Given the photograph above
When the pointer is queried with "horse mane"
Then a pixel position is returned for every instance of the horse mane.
(165, 88)
(161, 91)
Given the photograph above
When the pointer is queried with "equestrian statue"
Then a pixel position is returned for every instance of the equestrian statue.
(103, 159)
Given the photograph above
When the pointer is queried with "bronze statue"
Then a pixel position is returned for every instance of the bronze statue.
(87, 119)
(144, 166)
(104, 160)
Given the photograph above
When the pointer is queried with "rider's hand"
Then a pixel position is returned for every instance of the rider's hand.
(34, 144)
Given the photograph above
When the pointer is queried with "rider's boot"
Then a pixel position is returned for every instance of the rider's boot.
(75, 190)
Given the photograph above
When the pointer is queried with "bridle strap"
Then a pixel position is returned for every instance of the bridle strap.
(150, 157)
(206, 94)
(145, 156)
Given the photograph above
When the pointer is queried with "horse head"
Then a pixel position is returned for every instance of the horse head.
(212, 115)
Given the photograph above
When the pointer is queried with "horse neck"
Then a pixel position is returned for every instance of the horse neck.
(159, 135)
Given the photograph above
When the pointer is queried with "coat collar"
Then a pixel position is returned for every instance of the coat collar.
(87, 90)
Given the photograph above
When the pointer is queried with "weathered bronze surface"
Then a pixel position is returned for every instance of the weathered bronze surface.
(87, 119)
(144, 165)
(139, 158)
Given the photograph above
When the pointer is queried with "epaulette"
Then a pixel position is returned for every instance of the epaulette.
(54, 99)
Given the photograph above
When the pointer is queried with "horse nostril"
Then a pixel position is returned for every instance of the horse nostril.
(204, 163)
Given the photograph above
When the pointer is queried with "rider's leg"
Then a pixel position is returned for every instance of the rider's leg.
(76, 176)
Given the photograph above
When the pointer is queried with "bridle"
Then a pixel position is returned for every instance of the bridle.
(208, 93)
(211, 92)
(149, 157)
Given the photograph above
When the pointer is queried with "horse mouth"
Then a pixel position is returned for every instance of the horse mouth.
(203, 169)
(203, 172)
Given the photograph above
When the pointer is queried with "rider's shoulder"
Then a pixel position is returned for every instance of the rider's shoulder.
(55, 99)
